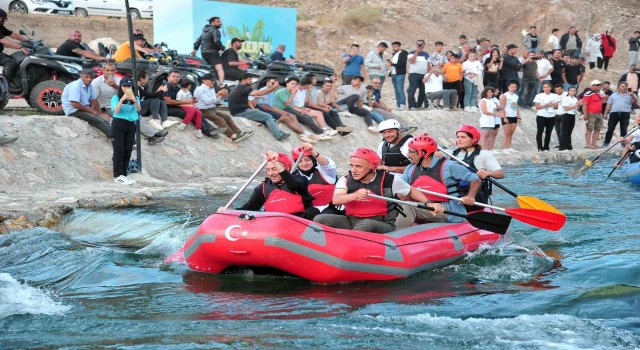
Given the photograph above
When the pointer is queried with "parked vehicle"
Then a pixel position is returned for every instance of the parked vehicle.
(113, 8)
(47, 7)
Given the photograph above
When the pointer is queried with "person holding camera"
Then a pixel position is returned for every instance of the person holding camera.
(125, 106)
(418, 66)
(353, 64)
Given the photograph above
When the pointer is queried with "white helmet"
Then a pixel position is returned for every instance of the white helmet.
(389, 124)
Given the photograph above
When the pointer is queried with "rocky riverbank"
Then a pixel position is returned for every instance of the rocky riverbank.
(61, 163)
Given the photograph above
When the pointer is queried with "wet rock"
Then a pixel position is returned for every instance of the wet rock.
(21, 223)
(121, 202)
(87, 203)
(53, 216)
(67, 200)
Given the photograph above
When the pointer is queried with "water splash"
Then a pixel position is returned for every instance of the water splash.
(17, 298)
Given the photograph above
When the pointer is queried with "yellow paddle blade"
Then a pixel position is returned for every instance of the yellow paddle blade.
(536, 203)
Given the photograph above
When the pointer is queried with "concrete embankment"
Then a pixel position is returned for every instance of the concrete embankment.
(61, 163)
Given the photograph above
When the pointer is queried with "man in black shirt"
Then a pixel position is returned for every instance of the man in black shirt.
(558, 66)
(572, 74)
(10, 66)
(239, 105)
(231, 61)
(72, 47)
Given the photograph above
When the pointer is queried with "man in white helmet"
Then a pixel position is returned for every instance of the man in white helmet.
(394, 148)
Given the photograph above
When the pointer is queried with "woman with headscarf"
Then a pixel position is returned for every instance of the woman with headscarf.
(608, 49)
(592, 50)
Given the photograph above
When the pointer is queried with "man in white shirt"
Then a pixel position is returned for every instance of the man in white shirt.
(554, 43)
(106, 86)
(418, 66)
(544, 70)
(434, 91)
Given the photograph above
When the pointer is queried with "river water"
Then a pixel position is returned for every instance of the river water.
(98, 281)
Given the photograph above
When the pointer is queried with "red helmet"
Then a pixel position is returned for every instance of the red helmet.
(284, 159)
(369, 155)
(424, 144)
(295, 154)
(471, 130)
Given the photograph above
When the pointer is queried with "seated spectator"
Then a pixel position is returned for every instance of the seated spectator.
(124, 50)
(207, 100)
(383, 111)
(193, 114)
(80, 100)
(125, 106)
(278, 54)
(231, 61)
(152, 103)
(239, 105)
(353, 96)
(434, 88)
(331, 117)
(73, 47)
(146, 47)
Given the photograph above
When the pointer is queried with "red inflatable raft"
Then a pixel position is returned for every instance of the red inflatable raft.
(323, 254)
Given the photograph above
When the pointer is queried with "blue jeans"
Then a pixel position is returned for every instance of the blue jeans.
(470, 94)
(567, 86)
(528, 92)
(376, 116)
(415, 82)
(262, 117)
(398, 87)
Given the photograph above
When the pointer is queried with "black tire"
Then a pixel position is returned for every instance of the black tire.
(3, 103)
(18, 7)
(135, 14)
(80, 12)
(47, 96)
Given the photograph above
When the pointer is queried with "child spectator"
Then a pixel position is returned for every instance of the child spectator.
(193, 114)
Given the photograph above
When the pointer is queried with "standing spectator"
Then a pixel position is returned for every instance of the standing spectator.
(375, 62)
(592, 50)
(532, 40)
(438, 58)
(567, 107)
(572, 74)
(592, 113)
(558, 90)
(79, 100)
(511, 117)
(8, 63)
(353, 64)
(398, 71)
(546, 104)
(278, 54)
(125, 106)
(618, 110)
(558, 67)
(609, 48)
(553, 42)
(570, 42)
(433, 85)
(634, 45)
(489, 113)
(452, 72)
(462, 41)
(544, 71)
(472, 71)
(418, 67)
(239, 105)
(632, 77)
(210, 45)
(231, 61)
(492, 67)
(483, 47)
(207, 99)
(529, 80)
(510, 66)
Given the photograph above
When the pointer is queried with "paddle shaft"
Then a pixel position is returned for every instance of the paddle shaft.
(617, 142)
(619, 162)
(416, 204)
(246, 184)
(460, 199)
(451, 156)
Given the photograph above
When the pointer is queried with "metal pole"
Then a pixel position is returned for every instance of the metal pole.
(135, 85)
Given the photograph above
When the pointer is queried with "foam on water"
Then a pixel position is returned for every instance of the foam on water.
(17, 298)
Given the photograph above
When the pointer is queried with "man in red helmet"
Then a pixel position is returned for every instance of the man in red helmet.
(280, 191)
(429, 172)
(363, 212)
(320, 171)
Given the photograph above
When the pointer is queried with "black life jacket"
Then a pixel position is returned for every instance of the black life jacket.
(485, 186)
(319, 187)
(431, 179)
(392, 155)
(634, 156)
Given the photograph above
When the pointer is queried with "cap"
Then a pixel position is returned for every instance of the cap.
(596, 82)
(512, 46)
(208, 76)
(138, 37)
(126, 82)
(236, 40)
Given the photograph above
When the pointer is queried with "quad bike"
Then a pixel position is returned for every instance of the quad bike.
(41, 76)
(321, 71)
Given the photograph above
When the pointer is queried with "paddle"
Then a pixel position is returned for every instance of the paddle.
(619, 163)
(246, 184)
(538, 218)
(580, 168)
(525, 202)
(485, 221)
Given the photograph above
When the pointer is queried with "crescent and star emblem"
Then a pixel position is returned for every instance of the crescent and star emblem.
(227, 233)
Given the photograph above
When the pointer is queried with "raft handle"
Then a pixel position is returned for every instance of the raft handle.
(239, 252)
(246, 217)
(376, 257)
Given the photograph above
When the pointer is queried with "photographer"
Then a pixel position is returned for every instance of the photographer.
(529, 80)
(125, 106)
(8, 63)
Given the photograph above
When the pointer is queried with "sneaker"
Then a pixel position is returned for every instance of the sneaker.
(241, 136)
(182, 126)
(325, 137)
(198, 133)
(123, 180)
(161, 133)
(167, 124)
(130, 179)
(412, 108)
(313, 137)
(373, 129)
(506, 151)
(402, 108)
(154, 140)
(494, 151)
(284, 136)
(154, 123)
(511, 150)
(330, 132)
(346, 129)
(468, 109)
(307, 139)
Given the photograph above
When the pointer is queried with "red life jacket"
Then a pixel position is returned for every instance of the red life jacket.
(431, 179)
(279, 198)
(321, 189)
(370, 207)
